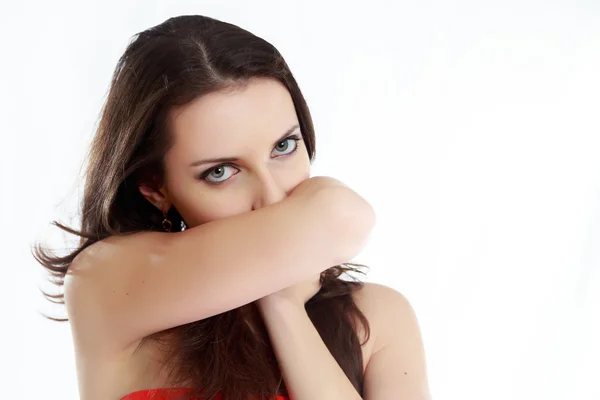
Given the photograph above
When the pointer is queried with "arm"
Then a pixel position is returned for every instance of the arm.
(124, 288)
(395, 368)
(309, 370)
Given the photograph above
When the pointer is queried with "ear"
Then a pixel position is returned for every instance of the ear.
(158, 196)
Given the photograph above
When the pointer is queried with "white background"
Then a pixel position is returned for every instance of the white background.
(473, 127)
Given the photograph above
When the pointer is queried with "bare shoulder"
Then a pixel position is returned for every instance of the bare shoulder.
(374, 294)
(396, 366)
(386, 309)
(114, 251)
(99, 270)
(117, 246)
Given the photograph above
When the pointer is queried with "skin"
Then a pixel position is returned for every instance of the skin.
(256, 125)
(225, 124)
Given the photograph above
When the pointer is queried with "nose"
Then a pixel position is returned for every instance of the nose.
(267, 191)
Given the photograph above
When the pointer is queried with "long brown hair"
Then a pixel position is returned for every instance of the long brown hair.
(170, 65)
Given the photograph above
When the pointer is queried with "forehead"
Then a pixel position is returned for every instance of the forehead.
(223, 122)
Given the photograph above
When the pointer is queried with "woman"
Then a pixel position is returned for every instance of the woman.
(209, 261)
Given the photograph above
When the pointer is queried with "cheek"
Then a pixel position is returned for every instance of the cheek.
(301, 172)
(198, 205)
(298, 179)
(212, 206)
(292, 174)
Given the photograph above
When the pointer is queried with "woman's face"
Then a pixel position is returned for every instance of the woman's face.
(234, 151)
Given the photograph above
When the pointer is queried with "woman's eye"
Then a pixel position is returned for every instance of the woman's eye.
(286, 146)
(219, 174)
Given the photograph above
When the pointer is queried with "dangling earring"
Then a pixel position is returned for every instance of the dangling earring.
(166, 224)
(183, 226)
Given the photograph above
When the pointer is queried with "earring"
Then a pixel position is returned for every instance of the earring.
(166, 224)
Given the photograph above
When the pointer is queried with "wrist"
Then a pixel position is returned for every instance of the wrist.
(276, 305)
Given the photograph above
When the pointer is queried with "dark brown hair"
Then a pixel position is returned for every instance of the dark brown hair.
(170, 65)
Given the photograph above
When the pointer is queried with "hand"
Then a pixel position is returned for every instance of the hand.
(297, 294)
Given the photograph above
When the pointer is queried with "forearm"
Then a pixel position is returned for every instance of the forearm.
(309, 370)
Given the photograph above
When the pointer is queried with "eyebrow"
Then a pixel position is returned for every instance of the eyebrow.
(233, 159)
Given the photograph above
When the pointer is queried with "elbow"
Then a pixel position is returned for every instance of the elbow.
(351, 220)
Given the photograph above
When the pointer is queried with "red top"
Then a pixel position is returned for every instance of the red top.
(165, 394)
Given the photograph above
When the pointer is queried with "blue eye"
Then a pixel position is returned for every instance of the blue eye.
(223, 172)
(287, 146)
(219, 173)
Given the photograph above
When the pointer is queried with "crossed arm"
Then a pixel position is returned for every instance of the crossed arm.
(396, 367)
